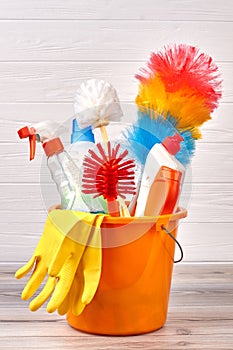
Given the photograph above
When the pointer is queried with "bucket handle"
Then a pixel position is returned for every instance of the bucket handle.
(175, 240)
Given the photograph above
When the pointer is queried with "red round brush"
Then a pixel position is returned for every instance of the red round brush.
(108, 174)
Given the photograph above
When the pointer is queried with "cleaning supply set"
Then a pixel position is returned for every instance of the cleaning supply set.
(108, 253)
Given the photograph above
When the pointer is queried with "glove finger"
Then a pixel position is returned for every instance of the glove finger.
(77, 305)
(59, 259)
(35, 281)
(26, 268)
(66, 305)
(73, 298)
(92, 263)
(91, 281)
(63, 252)
(66, 277)
(37, 302)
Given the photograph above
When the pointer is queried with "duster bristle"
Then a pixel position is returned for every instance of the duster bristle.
(147, 131)
(183, 66)
(180, 82)
(187, 108)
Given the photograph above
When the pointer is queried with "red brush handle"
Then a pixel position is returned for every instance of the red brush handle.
(113, 208)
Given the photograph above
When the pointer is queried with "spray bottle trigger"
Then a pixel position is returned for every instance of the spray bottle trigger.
(32, 141)
(31, 134)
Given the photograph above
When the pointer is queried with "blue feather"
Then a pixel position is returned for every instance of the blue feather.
(146, 132)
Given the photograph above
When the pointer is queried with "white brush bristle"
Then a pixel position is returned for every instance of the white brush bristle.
(96, 103)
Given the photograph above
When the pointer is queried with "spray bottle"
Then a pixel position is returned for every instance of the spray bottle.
(161, 180)
(61, 165)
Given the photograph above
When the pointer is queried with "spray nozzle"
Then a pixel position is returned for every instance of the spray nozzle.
(29, 132)
(40, 132)
(172, 143)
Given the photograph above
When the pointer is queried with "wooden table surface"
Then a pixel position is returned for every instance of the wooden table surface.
(200, 316)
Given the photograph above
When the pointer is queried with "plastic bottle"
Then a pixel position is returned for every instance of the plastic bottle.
(81, 141)
(163, 175)
(164, 192)
(61, 165)
(81, 135)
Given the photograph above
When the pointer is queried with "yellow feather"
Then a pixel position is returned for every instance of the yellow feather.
(184, 105)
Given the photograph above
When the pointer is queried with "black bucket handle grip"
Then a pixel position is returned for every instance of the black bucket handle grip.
(178, 244)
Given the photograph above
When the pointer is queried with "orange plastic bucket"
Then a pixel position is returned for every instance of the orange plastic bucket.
(133, 294)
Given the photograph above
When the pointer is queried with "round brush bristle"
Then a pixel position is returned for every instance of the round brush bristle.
(108, 173)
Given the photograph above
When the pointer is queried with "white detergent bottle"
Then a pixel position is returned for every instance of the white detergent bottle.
(160, 158)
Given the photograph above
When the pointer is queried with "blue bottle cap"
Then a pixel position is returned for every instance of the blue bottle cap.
(78, 134)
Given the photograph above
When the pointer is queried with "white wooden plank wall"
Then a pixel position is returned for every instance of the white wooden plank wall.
(48, 47)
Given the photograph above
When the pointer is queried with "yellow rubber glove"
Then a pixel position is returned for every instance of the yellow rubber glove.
(92, 263)
(65, 235)
(73, 300)
(88, 274)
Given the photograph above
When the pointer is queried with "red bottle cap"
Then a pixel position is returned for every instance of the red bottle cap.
(172, 143)
(53, 146)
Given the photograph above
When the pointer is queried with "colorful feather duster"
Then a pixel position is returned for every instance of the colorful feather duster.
(182, 83)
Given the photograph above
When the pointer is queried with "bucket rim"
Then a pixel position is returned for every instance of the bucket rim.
(181, 213)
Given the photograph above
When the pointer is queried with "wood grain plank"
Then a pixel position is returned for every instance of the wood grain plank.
(57, 81)
(15, 115)
(112, 10)
(206, 242)
(109, 40)
(201, 242)
(208, 202)
(199, 317)
(220, 342)
(15, 166)
(205, 293)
